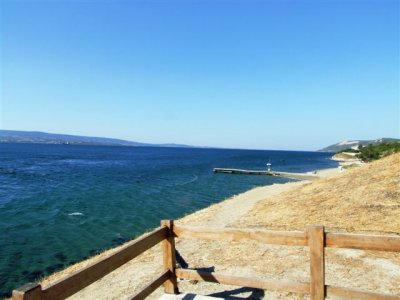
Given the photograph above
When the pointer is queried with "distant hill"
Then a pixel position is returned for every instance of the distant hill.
(13, 136)
(354, 144)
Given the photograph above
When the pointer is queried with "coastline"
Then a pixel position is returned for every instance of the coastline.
(97, 202)
(344, 267)
(131, 276)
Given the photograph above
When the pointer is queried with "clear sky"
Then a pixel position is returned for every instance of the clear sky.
(246, 74)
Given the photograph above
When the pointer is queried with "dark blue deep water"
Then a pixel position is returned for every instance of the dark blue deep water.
(62, 203)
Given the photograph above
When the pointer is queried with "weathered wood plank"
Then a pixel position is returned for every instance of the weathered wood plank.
(78, 280)
(151, 287)
(316, 237)
(347, 293)
(276, 285)
(290, 238)
(169, 259)
(29, 291)
(364, 242)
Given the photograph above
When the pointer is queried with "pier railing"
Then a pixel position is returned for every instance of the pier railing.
(315, 238)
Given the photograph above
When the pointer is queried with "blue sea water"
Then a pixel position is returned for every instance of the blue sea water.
(60, 203)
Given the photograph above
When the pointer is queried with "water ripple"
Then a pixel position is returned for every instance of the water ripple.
(60, 204)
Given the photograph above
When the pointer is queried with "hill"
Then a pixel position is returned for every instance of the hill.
(365, 199)
(354, 144)
(13, 136)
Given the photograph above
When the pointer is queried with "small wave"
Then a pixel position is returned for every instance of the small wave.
(189, 181)
(76, 214)
(81, 161)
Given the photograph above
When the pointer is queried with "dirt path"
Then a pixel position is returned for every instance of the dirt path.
(226, 213)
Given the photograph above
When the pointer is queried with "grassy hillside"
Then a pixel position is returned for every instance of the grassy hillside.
(365, 199)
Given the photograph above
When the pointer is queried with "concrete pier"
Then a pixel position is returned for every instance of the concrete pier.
(302, 176)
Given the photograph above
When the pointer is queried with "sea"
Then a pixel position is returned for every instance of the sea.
(60, 204)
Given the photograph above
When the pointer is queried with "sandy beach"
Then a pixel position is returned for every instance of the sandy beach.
(279, 206)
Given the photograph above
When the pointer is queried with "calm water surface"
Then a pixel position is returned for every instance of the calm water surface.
(61, 203)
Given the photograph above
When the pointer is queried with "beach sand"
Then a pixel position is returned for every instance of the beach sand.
(260, 208)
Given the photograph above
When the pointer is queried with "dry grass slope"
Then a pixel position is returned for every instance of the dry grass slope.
(365, 199)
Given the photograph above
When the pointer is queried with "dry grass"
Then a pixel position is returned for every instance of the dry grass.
(344, 156)
(362, 200)
(365, 199)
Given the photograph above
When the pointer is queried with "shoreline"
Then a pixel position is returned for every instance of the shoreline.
(99, 199)
(273, 207)
(284, 206)
(220, 214)
(251, 197)
(290, 175)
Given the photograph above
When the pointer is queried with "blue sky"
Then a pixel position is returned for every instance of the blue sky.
(246, 74)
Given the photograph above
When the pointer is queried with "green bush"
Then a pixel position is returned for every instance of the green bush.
(373, 152)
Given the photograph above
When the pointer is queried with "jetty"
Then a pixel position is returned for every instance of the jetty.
(301, 176)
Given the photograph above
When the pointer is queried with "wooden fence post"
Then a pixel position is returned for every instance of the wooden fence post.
(30, 291)
(316, 242)
(168, 247)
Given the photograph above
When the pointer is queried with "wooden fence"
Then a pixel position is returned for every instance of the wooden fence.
(314, 237)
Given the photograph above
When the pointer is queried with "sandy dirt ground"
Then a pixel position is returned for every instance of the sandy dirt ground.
(343, 202)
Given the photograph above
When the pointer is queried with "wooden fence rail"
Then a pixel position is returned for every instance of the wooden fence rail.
(315, 238)
(76, 281)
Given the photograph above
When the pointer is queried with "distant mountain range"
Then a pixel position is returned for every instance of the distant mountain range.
(356, 143)
(13, 136)
(37, 137)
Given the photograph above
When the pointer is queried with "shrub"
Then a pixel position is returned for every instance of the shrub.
(373, 152)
